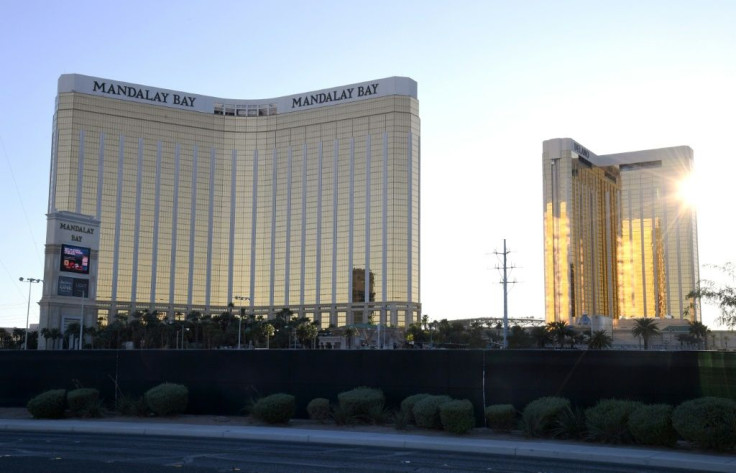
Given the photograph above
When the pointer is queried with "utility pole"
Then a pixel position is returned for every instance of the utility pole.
(505, 283)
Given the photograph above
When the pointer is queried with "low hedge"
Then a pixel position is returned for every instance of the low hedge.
(500, 417)
(84, 402)
(48, 405)
(540, 417)
(407, 405)
(652, 425)
(608, 420)
(426, 411)
(708, 422)
(361, 402)
(456, 416)
(319, 409)
(275, 409)
(167, 399)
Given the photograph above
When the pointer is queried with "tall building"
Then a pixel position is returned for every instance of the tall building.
(619, 238)
(296, 201)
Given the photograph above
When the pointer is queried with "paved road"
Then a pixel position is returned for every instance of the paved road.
(38, 452)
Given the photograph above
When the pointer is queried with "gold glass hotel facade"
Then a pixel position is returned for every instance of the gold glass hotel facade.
(620, 240)
(309, 202)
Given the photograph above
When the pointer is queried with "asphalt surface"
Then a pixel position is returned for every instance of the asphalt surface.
(523, 448)
(33, 452)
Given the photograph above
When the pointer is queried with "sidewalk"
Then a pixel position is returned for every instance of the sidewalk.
(336, 436)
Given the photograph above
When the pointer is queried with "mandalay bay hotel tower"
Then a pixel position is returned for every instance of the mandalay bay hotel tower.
(620, 239)
(171, 201)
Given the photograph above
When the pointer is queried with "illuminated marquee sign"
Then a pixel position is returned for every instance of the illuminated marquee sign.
(74, 259)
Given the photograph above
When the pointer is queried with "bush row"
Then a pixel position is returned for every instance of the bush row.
(707, 422)
(162, 400)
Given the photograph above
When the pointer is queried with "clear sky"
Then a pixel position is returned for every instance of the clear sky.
(496, 78)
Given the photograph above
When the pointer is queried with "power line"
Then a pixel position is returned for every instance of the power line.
(20, 199)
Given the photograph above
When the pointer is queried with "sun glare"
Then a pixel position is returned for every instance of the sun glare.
(688, 191)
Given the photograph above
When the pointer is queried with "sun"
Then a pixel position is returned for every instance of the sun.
(688, 190)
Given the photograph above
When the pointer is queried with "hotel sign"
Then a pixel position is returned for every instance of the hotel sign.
(402, 86)
(335, 95)
(581, 150)
(152, 95)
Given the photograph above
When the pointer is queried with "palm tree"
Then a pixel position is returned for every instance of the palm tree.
(700, 332)
(559, 331)
(540, 335)
(46, 334)
(645, 328)
(268, 330)
(55, 335)
(600, 340)
(350, 332)
(306, 333)
(71, 334)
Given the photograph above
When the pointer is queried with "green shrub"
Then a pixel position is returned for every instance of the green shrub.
(708, 422)
(84, 402)
(427, 411)
(341, 416)
(360, 402)
(319, 409)
(500, 417)
(608, 421)
(408, 404)
(275, 409)
(457, 417)
(379, 415)
(401, 420)
(540, 417)
(652, 425)
(570, 424)
(167, 399)
(131, 406)
(48, 405)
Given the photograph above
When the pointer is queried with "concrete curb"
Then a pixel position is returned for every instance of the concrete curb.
(527, 448)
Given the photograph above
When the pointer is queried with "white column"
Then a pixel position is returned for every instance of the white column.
(156, 212)
(80, 172)
(287, 256)
(231, 244)
(100, 176)
(274, 194)
(318, 263)
(210, 226)
(253, 220)
(192, 226)
(118, 212)
(304, 225)
(174, 224)
(137, 225)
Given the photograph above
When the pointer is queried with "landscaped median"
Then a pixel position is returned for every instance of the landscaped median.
(707, 423)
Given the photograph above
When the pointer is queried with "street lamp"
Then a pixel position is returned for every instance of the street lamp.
(240, 319)
(81, 322)
(30, 282)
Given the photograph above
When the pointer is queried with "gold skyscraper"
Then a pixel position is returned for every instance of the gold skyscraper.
(619, 239)
(293, 202)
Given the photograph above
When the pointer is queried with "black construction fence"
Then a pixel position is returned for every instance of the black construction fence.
(224, 381)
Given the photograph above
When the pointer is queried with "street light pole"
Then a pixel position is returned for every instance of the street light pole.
(81, 322)
(30, 282)
(240, 319)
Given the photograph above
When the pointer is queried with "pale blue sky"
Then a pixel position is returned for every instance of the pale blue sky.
(495, 80)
